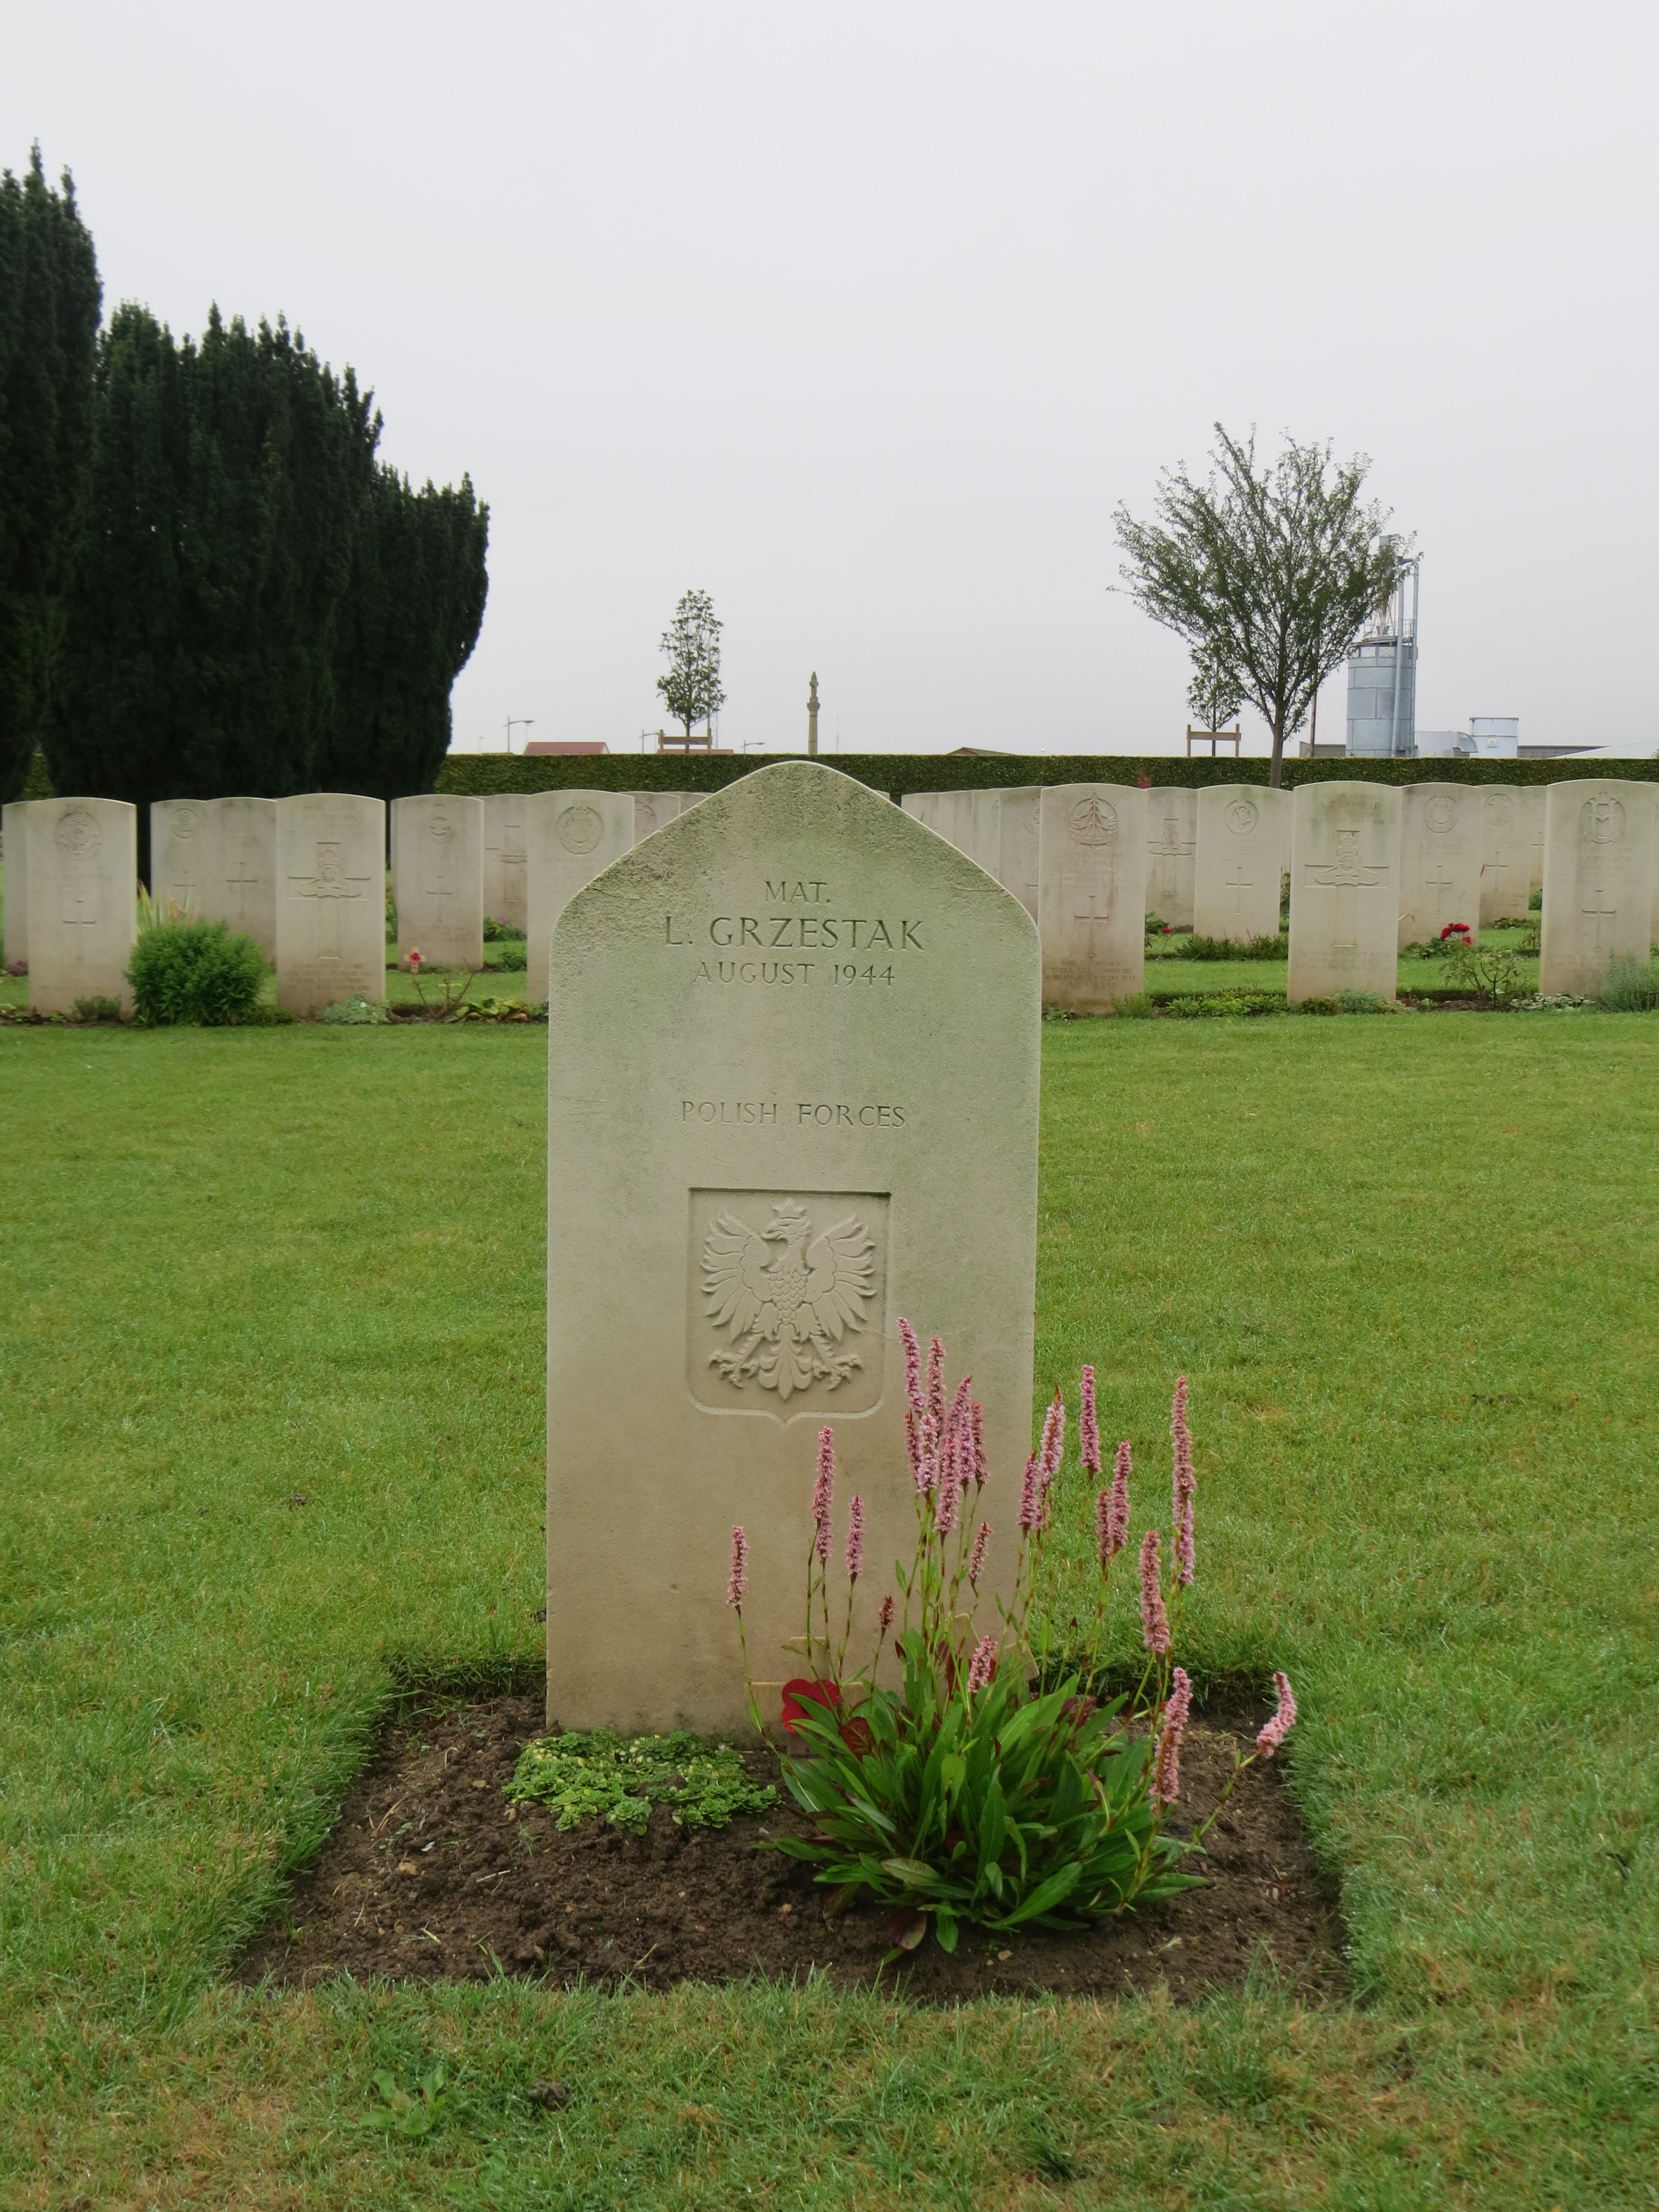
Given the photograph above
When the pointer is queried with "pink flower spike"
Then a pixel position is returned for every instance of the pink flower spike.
(1120, 1523)
(1154, 1621)
(983, 1666)
(945, 1510)
(1283, 1722)
(912, 1443)
(1088, 1426)
(981, 1465)
(855, 1537)
(1183, 1547)
(1166, 1761)
(1051, 1449)
(936, 1383)
(823, 1492)
(911, 1368)
(738, 1581)
(1030, 1503)
(1104, 1544)
(976, 1557)
(927, 1456)
(884, 1616)
(958, 1417)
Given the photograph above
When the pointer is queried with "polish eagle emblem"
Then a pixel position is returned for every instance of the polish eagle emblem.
(787, 1297)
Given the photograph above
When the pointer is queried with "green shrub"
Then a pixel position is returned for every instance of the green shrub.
(513, 956)
(502, 932)
(1224, 948)
(1631, 987)
(97, 1010)
(195, 972)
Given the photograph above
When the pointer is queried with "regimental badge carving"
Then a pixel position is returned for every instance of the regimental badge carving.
(1241, 816)
(645, 817)
(1601, 820)
(1347, 872)
(439, 826)
(579, 828)
(1440, 815)
(186, 821)
(78, 834)
(1093, 821)
(1500, 810)
(788, 1300)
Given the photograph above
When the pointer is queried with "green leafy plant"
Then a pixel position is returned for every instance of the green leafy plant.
(1196, 1006)
(355, 1010)
(513, 957)
(488, 1009)
(446, 1004)
(983, 1789)
(412, 2112)
(97, 1010)
(1490, 972)
(198, 972)
(1629, 987)
(1226, 948)
(1343, 1002)
(619, 1778)
(1157, 927)
(502, 932)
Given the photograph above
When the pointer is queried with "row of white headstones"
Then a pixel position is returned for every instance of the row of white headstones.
(1370, 869)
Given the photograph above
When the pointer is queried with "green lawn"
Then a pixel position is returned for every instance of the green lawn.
(1410, 1269)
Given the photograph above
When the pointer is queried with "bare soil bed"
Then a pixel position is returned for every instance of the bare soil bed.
(430, 1874)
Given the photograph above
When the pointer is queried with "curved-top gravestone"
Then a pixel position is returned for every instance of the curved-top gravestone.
(330, 900)
(437, 878)
(83, 900)
(572, 837)
(1235, 876)
(1345, 891)
(1092, 886)
(1598, 880)
(792, 1048)
(1442, 835)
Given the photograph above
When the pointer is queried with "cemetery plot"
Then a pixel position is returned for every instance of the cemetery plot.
(431, 1875)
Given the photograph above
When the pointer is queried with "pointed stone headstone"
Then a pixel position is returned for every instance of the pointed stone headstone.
(1345, 891)
(1091, 898)
(330, 900)
(792, 1050)
(82, 890)
(1598, 880)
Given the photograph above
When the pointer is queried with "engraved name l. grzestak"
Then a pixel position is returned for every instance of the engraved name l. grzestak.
(875, 939)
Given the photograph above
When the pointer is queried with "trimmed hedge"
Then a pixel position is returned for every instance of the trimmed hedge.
(480, 776)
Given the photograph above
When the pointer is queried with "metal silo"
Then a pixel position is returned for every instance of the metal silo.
(1382, 679)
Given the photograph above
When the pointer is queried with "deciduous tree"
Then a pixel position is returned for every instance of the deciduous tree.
(1268, 573)
(691, 686)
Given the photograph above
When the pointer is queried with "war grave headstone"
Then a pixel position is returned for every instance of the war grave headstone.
(437, 880)
(1016, 860)
(1598, 880)
(241, 892)
(330, 900)
(1091, 903)
(506, 859)
(14, 857)
(183, 857)
(970, 820)
(1442, 835)
(573, 836)
(1279, 805)
(1171, 852)
(1345, 891)
(82, 891)
(756, 1163)
(1505, 863)
(1235, 869)
(651, 809)
(1536, 843)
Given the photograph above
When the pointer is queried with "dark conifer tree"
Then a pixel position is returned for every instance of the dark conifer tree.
(408, 624)
(49, 306)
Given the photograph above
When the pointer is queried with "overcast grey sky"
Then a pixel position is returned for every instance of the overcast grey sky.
(864, 320)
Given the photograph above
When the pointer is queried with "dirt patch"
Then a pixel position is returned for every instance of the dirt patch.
(431, 1873)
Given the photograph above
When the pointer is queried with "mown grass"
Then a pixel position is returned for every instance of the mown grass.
(1410, 1270)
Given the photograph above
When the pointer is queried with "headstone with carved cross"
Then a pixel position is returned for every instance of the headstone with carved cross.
(1236, 877)
(241, 890)
(184, 855)
(1505, 862)
(1598, 880)
(82, 869)
(651, 809)
(793, 1058)
(437, 879)
(1171, 852)
(1091, 884)
(506, 859)
(330, 900)
(1345, 889)
(1442, 835)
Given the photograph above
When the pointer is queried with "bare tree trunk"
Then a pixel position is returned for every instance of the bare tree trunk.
(1275, 774)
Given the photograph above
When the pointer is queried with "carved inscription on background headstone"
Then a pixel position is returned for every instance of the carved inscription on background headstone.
(1235, 876)
(1092, 895)
(793, 1089)
(242, 889)
(331, 908)
(184, 855)
(1171, 849)
(573, 836)
(83, 870)
(506, 856)
(437, 879)
(14, 918)
(1598, 880)
(1345, 891)
(1442, 833)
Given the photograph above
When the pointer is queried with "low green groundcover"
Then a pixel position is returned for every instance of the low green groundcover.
(704, 1785)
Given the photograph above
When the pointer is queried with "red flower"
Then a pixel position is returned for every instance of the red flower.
(1455, 929)
(415, 961)
(804, 1685)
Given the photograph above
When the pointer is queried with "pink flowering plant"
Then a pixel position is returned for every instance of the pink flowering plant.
(982, 1790)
